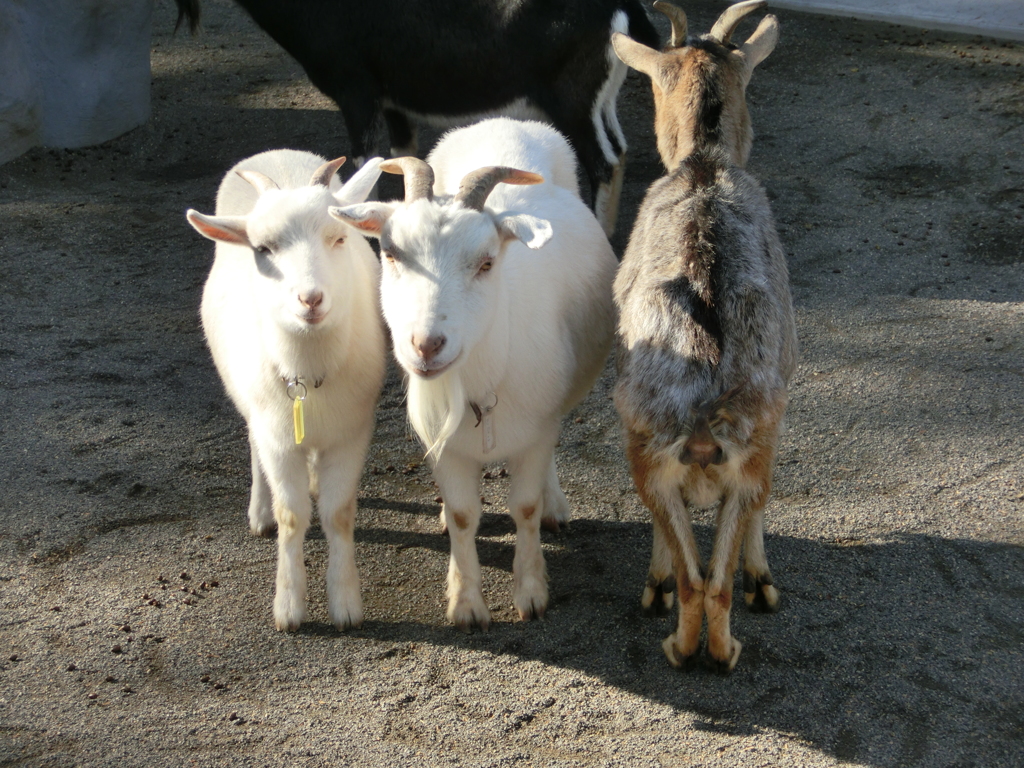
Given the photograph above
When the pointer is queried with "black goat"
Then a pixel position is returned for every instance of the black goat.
(455, 61)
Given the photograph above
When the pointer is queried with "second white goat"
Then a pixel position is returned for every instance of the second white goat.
(497, 290)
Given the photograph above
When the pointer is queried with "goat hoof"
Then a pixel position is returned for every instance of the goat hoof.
(469, 612)
(726, 665)
(265, 531)
(344, 620)
(287, 625)
(467, 627)
(763, 598)
(552, 525)
(678, 659)
(531, 612)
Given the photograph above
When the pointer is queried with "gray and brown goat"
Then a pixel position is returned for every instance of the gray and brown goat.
(707, 340)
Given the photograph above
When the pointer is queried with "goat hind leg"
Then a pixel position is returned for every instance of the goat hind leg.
(657, 483)
(683, 646)
(556, 506)
(261, 502)
(723, 648)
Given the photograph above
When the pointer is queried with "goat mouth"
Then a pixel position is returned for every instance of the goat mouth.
(434, 372)
(313, 318)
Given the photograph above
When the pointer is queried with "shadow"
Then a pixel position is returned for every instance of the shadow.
(887, 653)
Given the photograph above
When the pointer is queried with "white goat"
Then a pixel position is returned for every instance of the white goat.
(500, 339)
(291, 311)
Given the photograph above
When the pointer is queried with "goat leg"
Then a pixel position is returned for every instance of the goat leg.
(261, 503)
(289, 480)
(661, 581)
(723, 648)
(459, 480)
(338, 471)
(526, 503)
(759, 591)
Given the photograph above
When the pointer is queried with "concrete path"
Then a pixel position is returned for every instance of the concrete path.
(994, 18)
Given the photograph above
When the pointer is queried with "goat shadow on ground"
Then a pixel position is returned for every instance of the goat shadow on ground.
(883, 653)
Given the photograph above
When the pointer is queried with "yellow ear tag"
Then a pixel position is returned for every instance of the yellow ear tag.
(297, 392)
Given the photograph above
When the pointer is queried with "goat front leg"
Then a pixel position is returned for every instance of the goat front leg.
(459, 481)
(289, 481)
(759, 591)
(526, 503)
(338, 471)
(261, 502)
(661, 581)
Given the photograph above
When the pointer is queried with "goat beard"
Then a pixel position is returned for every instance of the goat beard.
(436, 407)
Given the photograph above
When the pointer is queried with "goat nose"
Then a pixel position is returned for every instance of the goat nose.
(313, 299)
(428, 346)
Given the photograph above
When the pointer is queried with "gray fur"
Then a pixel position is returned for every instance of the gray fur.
(706, 336)
(668, 360)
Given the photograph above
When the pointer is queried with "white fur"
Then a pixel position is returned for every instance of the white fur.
(536, 142)
(260, 335)
(532, 333)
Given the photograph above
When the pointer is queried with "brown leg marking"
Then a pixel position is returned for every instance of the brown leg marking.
(528, 512)
(460, 521)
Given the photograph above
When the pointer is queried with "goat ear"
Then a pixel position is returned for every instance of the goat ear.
(637, 55)
(366, 217)
(761, 43)
(226, 229)
(358, 188)
(532, 231)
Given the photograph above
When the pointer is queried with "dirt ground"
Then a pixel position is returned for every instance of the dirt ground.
(135, 607)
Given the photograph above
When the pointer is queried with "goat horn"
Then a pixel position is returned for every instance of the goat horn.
(731, 18)
(476, 186)
(322, 176)
(261, 182)
(677, 16)
(419, 177)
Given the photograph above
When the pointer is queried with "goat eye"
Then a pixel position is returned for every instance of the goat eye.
(339, 242)
(485, 266)
(389, 256)
(262, 250)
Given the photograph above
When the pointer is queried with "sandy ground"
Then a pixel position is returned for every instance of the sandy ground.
(135, 607)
